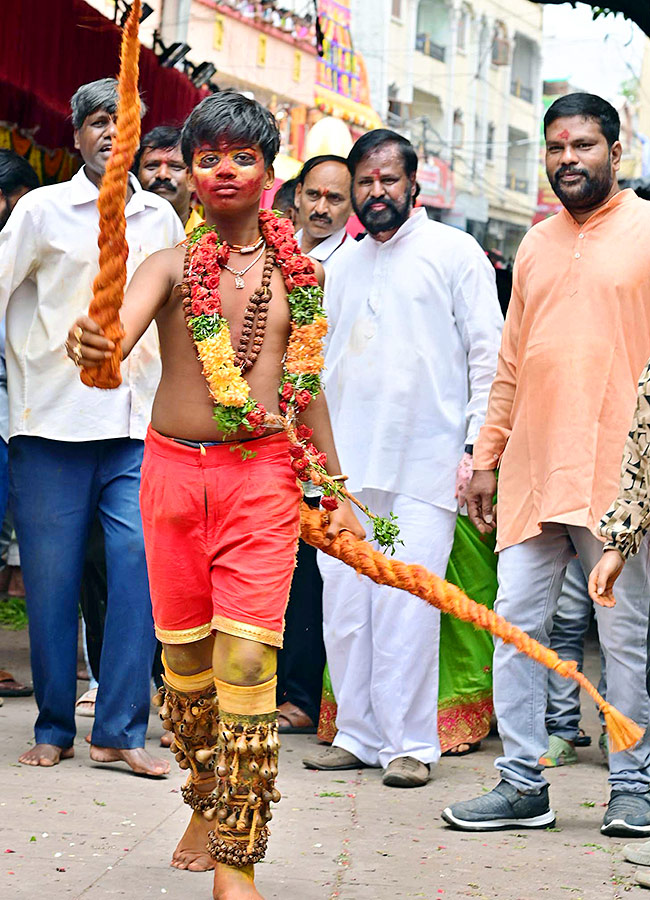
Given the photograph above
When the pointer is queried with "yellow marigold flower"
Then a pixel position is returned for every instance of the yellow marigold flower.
(304, 350)
(225, 381)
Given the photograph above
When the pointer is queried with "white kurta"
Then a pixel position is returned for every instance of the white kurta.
(415, 329)
(48, 261)
(414, 334)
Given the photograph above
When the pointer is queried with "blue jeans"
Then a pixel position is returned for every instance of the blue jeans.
(4, 479)
(530, 582)
(56, 488)
(568, 640)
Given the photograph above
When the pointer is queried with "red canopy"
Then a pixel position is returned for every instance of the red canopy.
(49, 47)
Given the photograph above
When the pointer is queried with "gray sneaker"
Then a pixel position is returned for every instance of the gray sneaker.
(332, 759)
(628, 815)
(503, 807)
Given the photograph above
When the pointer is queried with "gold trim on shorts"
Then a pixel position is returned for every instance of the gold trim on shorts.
(183, 635)
(248, 631)
(247, 700)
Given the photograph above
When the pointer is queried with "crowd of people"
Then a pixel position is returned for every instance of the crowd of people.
(169, 507)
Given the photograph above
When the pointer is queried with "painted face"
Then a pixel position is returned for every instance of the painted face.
(323, 201)
(579, 163)
(229, 177)
(94, 140)
(382, 192)
(163, 171)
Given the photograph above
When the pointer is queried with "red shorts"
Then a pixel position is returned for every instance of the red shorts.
(220, 536)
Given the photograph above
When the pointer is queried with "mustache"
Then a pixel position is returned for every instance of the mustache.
(320, 217)
(162, 183)
(371, 201)
(569, 170)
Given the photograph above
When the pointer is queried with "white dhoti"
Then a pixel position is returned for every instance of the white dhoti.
(382, 643)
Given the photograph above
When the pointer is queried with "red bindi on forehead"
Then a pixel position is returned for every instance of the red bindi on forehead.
(564, 134)
(375, 172)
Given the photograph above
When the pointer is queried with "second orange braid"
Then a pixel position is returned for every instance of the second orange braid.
(108, 288)
(623, 732)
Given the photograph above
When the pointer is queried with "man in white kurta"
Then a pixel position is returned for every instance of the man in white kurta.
(414, 334)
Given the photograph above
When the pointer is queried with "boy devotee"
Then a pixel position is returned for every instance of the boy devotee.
(576, 337)
(222, 501)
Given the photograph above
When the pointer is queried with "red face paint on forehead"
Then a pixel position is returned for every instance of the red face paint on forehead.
(564, 134)
(375, 172)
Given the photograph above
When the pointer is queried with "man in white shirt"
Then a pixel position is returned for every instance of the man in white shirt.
(74, 451)
(324, 206)
(322, 198)
(415, 328)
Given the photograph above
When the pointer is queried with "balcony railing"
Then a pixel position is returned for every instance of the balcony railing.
(513, 183)
(517, 89)
(425, 45)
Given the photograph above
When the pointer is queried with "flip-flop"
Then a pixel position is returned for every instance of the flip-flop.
(583, 740)
(9, 687)
(292, 723)
(85, 705)
(471, 748)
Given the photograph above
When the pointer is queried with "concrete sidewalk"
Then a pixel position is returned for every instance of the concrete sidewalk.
(85, 831)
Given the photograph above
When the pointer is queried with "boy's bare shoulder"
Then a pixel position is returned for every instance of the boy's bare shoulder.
(168, 262)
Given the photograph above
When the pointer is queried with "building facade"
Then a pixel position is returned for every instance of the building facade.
(463, 81)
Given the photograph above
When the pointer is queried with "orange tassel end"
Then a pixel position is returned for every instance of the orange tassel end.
(623, 732)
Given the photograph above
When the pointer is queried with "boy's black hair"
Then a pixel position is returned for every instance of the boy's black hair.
(316, 161)
(164, 137)
(231, 116)
(590, 106)
(377, 138)
(15, 173)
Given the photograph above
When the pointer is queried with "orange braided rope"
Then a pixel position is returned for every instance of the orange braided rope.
(623, 732)
(108, 288)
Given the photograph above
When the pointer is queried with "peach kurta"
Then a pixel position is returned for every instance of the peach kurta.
(576, 338)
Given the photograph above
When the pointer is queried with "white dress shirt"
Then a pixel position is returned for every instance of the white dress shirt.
(324, 251)
(48, 262)
(415, 329)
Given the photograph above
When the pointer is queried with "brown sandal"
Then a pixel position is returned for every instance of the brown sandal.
(293, 720)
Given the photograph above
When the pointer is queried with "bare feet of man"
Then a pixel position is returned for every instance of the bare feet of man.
(138, 759)
(191, 853)
(46, 755)
(234, 884)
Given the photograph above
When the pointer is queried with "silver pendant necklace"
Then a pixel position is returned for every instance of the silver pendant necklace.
(239, 276)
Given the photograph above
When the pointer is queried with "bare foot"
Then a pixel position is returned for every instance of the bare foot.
(46, 755)
(138, 759)
(167, 739)
(234, 884)
(191, 853)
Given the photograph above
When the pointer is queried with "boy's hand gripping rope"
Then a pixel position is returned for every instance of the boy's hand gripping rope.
(108, 288)
(623, 732)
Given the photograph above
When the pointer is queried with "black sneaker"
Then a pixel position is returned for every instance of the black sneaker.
(628, 815)
(503, 807)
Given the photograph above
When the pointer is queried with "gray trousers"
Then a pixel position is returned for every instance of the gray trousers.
(530, 582)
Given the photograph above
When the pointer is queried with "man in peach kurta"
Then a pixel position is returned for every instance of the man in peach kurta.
(576, 339)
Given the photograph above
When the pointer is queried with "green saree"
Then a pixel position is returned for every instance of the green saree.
(465, 693)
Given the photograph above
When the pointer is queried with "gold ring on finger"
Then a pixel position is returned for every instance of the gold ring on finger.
(78, 332)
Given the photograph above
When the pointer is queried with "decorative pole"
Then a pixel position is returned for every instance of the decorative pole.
(108, 287)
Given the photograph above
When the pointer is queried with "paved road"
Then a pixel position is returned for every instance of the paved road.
(85, 831)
